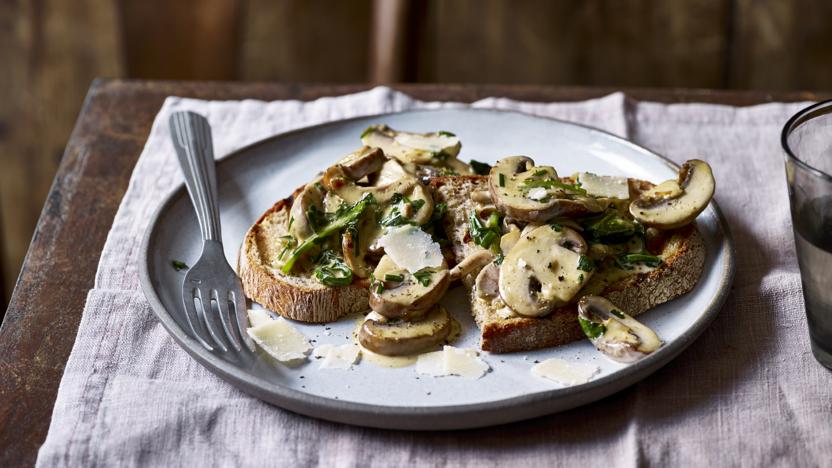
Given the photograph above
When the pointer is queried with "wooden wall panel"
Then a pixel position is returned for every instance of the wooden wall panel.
(51, 51)
(306, 40)
(783, 44)
(589, 42)
(180, 39)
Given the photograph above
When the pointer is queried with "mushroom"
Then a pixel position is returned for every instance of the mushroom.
(535, 193)
(355, 245)
(543, 270)
(509, 239)
(406, 188)
(412, 148)
(675, 203)
(310, 198)
(397, 293)
(471, 263)
(613, 332)
(399, 338)
(486, 286)
(362, 162)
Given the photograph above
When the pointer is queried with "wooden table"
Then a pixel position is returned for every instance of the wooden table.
(42, 319)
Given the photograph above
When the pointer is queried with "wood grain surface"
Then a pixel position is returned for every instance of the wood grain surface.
(40, 324)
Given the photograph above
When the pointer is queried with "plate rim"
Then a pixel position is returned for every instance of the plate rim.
(445, 416)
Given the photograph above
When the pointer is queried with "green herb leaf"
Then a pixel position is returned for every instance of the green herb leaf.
(485, 234)
(585, 263)
(394, 278)
(367, 131)
(439, 211)
(179, 265)
(499, 259)
(591, 329)
(347, 216)
(502, 179)
(617, 313)
(556, 227)
(609, 228)
(480, 168)
(445, 133)
(331, 270)
(423, 276)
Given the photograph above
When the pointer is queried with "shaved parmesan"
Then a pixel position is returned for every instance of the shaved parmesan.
(432, 143)
(337, 357)
(411, 248)
(431, 364)
(537, 193)
(452, 361)
(257, 317)
(280, 340)
(604, 186)
(564, 372)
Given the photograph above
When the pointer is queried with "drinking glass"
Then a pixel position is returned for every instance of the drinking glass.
(807, 141)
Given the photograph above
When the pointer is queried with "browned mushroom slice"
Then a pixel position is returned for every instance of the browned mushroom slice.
(675, 203)
(362, 162)
(614, 332)
(543, 270)
(398, 293)
(394, 337)
(535, 193)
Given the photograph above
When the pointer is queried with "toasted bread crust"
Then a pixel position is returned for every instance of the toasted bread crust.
(684, 259)
(295, 297)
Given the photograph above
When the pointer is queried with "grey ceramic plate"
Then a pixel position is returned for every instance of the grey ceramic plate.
(253, 178)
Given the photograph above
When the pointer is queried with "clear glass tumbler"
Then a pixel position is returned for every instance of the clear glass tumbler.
(807, 141)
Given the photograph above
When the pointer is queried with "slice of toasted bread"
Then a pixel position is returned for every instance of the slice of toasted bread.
(682, 251)
(299, 297)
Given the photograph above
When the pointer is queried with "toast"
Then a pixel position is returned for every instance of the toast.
(682, 251)
(298, 297)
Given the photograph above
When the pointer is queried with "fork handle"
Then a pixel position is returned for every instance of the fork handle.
(191, 135)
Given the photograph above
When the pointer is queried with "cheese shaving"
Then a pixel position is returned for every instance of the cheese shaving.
(337, 357)
(257, 317)
(280, 340)
(564, 372)
(411, 248)
(465, 363)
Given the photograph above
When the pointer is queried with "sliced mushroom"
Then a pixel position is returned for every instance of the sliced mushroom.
(413, 148)
(542, 271)
(471, 264)
(390, 172)
(509, 239)
(613, 332)
(398, 337)
(336, 179)
(406, 295)
(535, 193)
(487, 284)
(362, 162)
(310, 198)
(675, 203)
(355, 247)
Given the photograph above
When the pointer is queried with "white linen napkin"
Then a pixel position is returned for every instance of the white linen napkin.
(748, 392)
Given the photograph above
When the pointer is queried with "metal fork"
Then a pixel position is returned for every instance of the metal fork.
(211, 278)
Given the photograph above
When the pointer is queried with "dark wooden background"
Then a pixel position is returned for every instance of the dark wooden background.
(51, 50)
